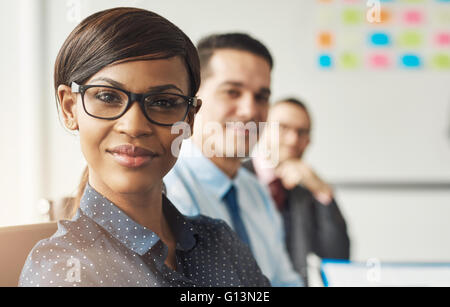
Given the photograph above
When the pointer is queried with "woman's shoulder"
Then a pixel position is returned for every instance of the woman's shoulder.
(206, 224)
(56, 260)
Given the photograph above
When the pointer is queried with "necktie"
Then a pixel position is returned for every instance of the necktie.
(233, 208)
(278, 193)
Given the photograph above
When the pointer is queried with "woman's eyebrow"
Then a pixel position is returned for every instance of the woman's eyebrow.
(162, 88)
(110, 81)
(152, 89)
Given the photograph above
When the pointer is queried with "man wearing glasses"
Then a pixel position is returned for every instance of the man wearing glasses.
(313, 222)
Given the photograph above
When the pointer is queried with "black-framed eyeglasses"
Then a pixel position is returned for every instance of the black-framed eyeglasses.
(110, 103)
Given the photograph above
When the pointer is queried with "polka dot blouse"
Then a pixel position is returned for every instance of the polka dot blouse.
(102, 246)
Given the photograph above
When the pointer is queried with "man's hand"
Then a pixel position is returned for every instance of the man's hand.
(295, 172)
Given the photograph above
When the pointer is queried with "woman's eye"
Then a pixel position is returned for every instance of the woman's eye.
(108, 97)
(164, 103)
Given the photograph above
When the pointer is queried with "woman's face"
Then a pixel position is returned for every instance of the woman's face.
(129, 170)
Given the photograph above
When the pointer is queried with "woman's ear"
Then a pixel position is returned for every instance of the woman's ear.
(68, 104)
(192, 113)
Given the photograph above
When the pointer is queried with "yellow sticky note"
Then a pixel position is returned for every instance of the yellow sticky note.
(349, 60)
(411, 39)
(352, 16)
(441, 61)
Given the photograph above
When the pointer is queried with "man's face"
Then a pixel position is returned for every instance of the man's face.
(237, 90)
(294, 136)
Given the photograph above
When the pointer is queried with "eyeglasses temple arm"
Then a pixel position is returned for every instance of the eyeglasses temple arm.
(194, 102)
(75, 88)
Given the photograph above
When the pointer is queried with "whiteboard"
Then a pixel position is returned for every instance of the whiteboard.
(369, 125)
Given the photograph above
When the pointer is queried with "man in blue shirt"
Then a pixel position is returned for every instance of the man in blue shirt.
(208, 178)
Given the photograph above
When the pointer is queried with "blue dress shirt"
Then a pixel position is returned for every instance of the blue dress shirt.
(195, 185)
(102, 246)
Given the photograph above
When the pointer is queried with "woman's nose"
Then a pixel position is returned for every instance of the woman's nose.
(134, 123)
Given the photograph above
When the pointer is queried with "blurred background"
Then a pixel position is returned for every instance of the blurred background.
(379, 94)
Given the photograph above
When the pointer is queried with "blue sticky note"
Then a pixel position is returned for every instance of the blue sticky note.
(410, 61)
(380, 39)
(325, 61)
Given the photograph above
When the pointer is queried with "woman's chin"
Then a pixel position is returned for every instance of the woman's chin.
(128, 185)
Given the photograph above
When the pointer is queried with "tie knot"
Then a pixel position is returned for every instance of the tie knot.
(278, 193)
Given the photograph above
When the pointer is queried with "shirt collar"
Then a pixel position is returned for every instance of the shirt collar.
(208, 174)
(134, 236)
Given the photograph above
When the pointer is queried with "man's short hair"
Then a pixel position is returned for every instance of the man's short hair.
(237, 41)
(295, 102)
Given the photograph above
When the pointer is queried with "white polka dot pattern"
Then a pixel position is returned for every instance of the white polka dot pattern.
(102, 246)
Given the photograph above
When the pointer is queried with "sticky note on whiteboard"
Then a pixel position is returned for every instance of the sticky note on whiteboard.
(413, 17)
(349, 60)
(411, 39)
(379, 61)
(443, 39)
(325, 61)
(441, 61)
(352, 16)
(413, 1)
(380, 39)
(410, 61)
(325, 39)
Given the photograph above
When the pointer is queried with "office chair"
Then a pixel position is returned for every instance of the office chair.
(15, 244)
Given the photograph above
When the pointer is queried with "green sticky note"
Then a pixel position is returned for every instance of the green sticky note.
(352, 16)
(413, 1)
(441, 61)
(411, 39)
(349, 60)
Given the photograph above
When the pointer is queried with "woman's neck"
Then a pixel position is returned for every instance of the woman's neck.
(144, 207)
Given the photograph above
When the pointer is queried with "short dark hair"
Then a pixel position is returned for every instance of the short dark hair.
(295, 102)
(237, 41)
(121, 33)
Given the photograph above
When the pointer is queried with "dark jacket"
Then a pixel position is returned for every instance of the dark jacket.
(311, 227)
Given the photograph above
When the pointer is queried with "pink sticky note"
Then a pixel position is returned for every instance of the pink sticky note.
(443, 39)
(413, 17)
(379, 61)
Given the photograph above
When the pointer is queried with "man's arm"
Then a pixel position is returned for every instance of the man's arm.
(329, 238)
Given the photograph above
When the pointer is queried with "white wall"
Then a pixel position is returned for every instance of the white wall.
(9, 115)
(377, 126)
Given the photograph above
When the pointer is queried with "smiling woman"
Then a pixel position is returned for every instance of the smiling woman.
(123, 78)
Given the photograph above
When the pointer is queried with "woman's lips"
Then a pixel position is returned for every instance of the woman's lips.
(131, 156)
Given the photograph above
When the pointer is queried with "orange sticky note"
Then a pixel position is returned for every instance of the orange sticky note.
(385, 16)
(325, 39)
